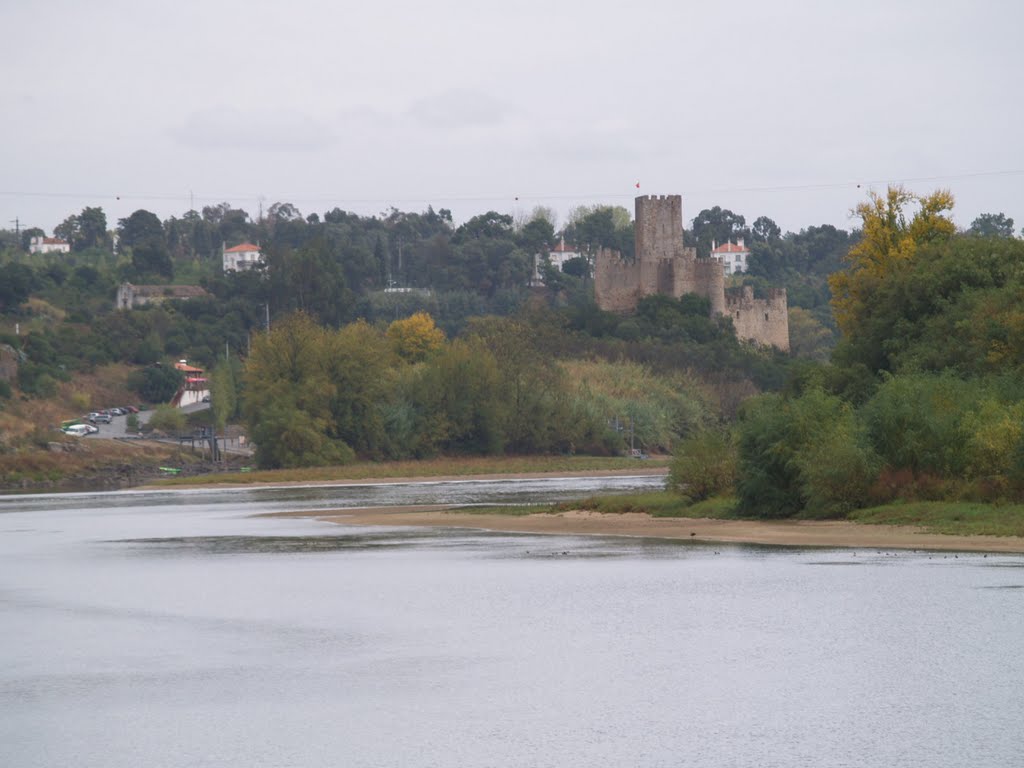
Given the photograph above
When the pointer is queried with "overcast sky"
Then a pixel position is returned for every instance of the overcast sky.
(768, 108)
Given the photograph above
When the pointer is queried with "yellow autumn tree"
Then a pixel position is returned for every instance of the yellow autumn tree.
(888, 239)
(415, 338)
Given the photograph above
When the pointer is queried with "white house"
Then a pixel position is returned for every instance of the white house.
(244, 256)
(42, 244)
(733, 255)
(557, 256)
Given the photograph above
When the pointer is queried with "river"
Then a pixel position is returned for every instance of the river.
(175, 628)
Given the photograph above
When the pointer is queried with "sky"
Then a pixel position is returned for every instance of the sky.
(793, 109)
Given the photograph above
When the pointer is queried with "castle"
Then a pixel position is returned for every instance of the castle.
(663, 265)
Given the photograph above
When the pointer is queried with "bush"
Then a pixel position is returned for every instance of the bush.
(777, 440)
(838, 470)
(157, 383)
(703, 466)
(167, 419)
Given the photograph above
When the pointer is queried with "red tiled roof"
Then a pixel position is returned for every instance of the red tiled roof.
(186, 368)
(243, 248)
(731, 248)
(54, 241)
(564, 248)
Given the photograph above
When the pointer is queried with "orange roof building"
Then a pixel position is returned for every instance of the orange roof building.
(242, 256)
(733, 255)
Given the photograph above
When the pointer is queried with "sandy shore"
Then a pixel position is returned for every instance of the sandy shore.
(783, 533)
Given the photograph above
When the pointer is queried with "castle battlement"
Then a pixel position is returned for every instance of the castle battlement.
(663, 265)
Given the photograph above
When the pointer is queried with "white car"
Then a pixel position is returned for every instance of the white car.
(80, 430)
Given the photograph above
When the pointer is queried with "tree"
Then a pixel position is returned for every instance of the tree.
(460, 394)
(703, 465)
(92, 230)
(28, 234)
(991, 225)
(765, 230)
(157, 384)
(807, 337)
(415, 338)
(718, 225)
(224, 393)
(603, 226)
(16, 284)
(289, 391)
(67, 230)
(359, 364)
(143, 234)
(488, 225)
(889, 240)
(537, 236)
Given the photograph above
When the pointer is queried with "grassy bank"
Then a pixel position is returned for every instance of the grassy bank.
(950, 518)
(79, 463)
(442, 467)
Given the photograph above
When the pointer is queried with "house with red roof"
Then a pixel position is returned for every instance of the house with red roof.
(195, 387)
(732, 255)
(242, 256)
(557, 257)
(41, 244)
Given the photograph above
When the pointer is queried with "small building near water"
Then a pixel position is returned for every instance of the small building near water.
(195, 387)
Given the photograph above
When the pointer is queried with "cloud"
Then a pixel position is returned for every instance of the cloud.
(459, 108)
(279, 130)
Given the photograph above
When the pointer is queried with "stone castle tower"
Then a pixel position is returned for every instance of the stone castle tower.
(663, 265)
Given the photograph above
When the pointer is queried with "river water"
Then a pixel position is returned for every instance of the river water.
(176, 629)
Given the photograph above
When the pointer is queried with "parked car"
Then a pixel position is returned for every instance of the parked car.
(129, 409)
(117, 411)
(99, 417)
(80, 430)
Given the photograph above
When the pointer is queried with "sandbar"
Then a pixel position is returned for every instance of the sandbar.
(796, 533)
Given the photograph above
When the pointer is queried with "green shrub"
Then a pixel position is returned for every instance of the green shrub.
(838, 470)
(167, 419)
(703, 466)
(776, 436)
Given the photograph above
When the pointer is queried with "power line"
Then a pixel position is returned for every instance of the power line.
(525, 196)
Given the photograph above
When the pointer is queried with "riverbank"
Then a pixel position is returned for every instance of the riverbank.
(800, 533)
(430, 470)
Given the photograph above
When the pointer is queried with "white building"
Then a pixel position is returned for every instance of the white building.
(41, 244)
(733, 255)
(244, 256)
(557, 256)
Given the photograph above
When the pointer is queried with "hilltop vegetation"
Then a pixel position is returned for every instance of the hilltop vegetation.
(352, 277)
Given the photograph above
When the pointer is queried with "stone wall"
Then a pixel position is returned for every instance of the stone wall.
(765, 321)
(616, 282)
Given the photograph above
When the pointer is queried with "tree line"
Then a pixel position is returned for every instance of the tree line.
(922, 397)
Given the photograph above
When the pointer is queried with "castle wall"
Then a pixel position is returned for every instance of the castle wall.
(616, 282)
(764, 321)
(709, 281)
